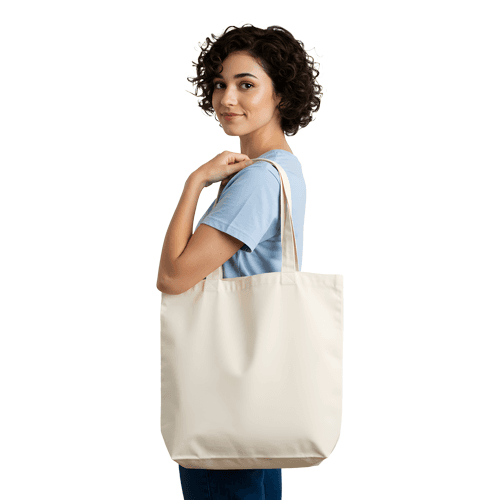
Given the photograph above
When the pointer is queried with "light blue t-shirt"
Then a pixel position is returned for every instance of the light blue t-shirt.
(249, 210)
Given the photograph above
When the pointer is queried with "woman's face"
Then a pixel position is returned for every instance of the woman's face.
(251, 97)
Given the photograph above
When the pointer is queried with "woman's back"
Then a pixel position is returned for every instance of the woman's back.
(249, 210)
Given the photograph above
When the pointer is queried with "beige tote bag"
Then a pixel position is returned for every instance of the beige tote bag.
(251, 367)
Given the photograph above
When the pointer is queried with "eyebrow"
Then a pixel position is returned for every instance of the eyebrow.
(239, 75)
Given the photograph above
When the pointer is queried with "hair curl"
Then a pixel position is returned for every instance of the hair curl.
(281, 56)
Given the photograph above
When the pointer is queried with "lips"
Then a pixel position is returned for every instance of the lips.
(230, 118)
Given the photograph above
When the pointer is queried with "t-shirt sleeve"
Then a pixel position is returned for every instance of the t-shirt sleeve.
(248, 205)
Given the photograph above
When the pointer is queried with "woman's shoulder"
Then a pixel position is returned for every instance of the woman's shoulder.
(286, 160)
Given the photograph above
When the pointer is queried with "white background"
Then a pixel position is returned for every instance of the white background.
(98, 135)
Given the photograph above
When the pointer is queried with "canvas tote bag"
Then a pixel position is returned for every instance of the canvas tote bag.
(251, 367)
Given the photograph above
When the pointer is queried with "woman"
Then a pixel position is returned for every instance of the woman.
(266, 81)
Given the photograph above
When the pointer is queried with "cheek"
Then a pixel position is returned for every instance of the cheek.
(262, 103)
(216, 96)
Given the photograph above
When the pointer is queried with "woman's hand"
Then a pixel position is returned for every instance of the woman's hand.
(222, 168)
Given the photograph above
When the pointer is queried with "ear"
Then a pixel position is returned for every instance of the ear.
(277, 100)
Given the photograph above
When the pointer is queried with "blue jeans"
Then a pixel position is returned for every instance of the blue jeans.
(245, 484)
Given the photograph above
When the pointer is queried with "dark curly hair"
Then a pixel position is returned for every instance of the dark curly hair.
(281, 56)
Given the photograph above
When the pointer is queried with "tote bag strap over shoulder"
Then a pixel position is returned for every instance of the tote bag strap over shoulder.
(290, 261)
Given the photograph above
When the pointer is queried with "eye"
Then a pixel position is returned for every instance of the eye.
(242, 83)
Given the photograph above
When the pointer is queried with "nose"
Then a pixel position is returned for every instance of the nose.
(228, 98)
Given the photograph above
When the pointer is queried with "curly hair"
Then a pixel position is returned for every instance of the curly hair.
(281, 56)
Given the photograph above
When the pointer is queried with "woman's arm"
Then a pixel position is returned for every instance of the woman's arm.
(188, 258)
(180, 229)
